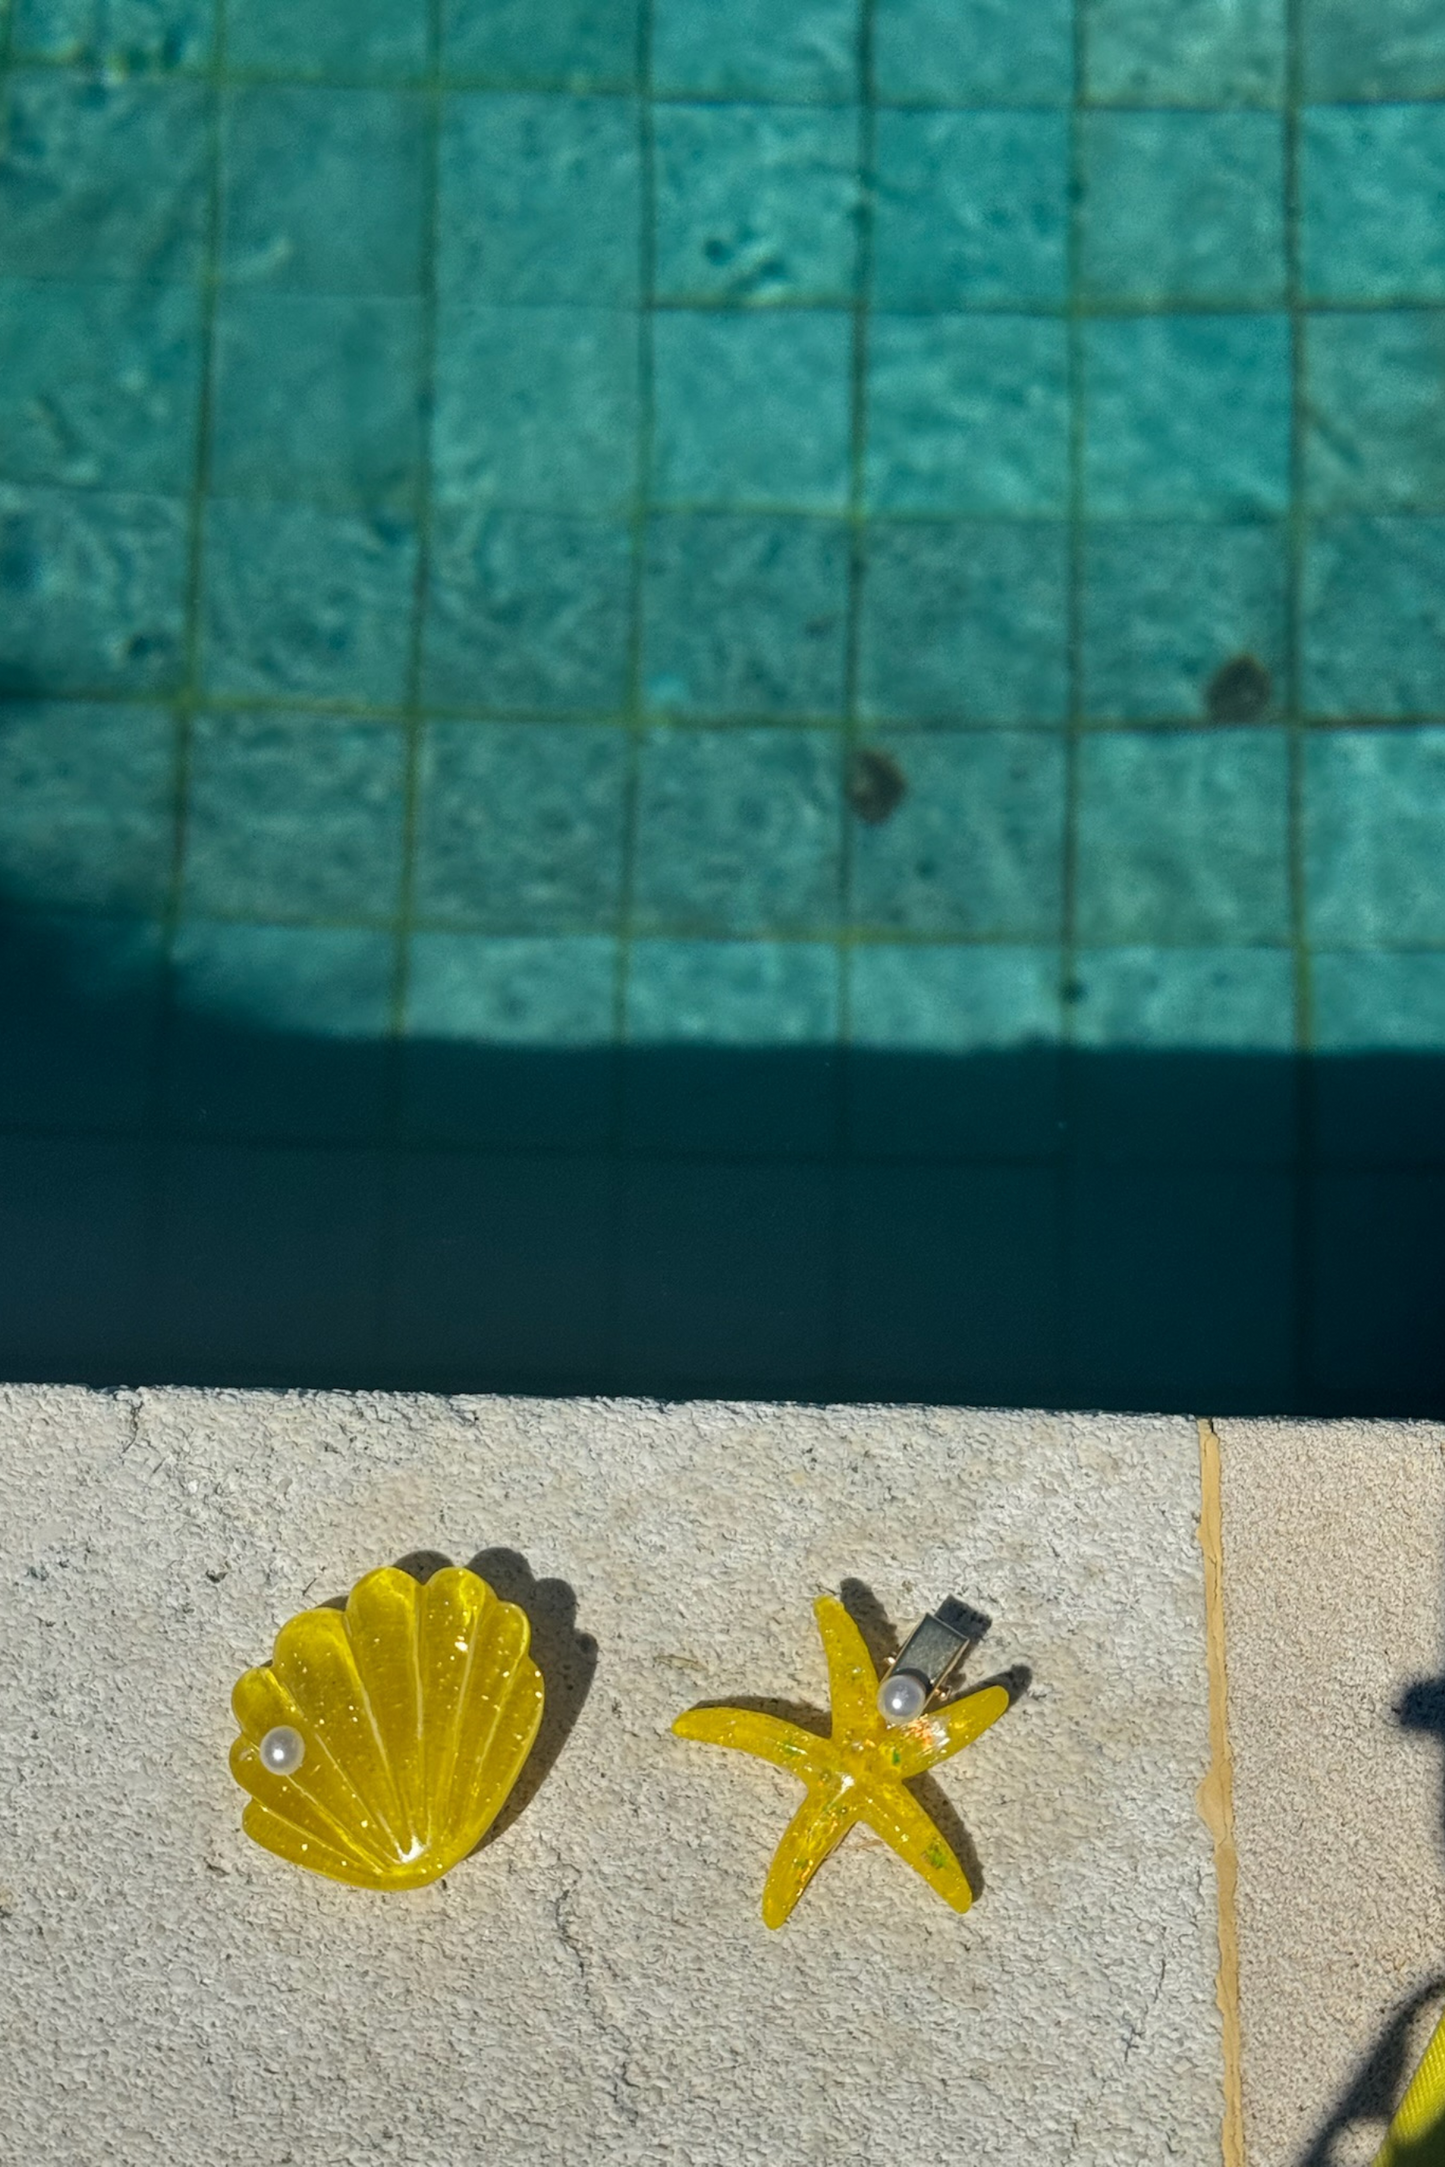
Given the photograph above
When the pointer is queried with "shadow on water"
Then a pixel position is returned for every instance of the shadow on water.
(191, 1201)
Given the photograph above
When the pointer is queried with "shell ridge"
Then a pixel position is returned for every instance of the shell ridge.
(358, 1835)
(483, 1705)
(440, 1779)
(263, 1827)
(514, 1730)
(379, 1608)
(297, 1806)
(330, 1627)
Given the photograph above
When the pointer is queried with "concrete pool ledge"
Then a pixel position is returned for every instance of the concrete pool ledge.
(597, 1983)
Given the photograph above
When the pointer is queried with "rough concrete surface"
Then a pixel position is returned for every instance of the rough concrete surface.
(1334, 1550)
(597, 1985)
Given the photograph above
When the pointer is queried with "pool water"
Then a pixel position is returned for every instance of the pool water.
(719, 697)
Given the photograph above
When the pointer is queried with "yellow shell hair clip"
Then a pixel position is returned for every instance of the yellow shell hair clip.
(382, 1740)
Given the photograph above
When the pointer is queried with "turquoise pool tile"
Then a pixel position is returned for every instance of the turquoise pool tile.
(971, 207)
(521, 827)
(1364, 1002)
(967, 414)
(936, 998)
(291, 818)
(1375, 837)
(92, 591)
(1187, 414)
(102, 178)
(323, 981)
(745, 614)
(1392, 49)
(756, 203)
(324, 189)
(544, 44)
(975, 849)
(1154, 1000)
(99, 383)
(87, 806)
(751, 49)
(1168, 603)
(541, 200)
(1374, 414)
(490, 990)
(1372, 179)
(965, 622)
(125, 37)
(527, 610)
(1183, 837)
(557, 429)
(374, 40)
(973, 52)
(305, 601)
(317, 399)
(1193, 52)
(1374, 628)
(738, 831)
(751, 409)
(1183, 207)
(732, 993)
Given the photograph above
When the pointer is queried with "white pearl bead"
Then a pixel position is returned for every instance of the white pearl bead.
(902, 1696)
(283, 1750)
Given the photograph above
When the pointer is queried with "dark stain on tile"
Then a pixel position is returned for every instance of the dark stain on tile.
(876, 785)
(1239, 691)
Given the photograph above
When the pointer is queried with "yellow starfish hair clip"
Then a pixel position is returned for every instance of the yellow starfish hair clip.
(884, 1735)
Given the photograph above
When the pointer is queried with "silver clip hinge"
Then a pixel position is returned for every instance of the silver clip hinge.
(928, 1658)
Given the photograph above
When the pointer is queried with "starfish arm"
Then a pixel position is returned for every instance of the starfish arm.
(800, 1752)
(898, 1818)
(934, 1738)
(852, 1678)
(816, 1829)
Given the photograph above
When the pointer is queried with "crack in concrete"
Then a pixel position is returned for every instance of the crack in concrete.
(623, 2085)
(1137, 2030)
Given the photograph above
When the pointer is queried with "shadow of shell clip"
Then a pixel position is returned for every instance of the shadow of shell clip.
(381, 1741)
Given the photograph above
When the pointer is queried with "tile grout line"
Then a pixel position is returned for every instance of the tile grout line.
(856, 513)
(1215, 1797)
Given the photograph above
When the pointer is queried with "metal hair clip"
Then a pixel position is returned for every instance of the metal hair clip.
(933, 1651)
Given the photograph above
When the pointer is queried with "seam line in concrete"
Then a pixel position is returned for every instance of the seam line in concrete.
(1216, 1792)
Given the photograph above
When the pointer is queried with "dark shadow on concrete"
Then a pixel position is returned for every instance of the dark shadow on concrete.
(190, 1201)
(566, 1658)
(1378, 2083)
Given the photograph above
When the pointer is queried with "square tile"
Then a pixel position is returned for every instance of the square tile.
(102, 178)
(81, 998)
(1395, 49)
(324, 190)
(752, 411)
(971, 207)
(92, 591)
(1372, 1001)
(310, 602)
(1183, 838)
(1371, 182)
(1375, 411)
(75, 1304)
(747, 48)
(376, 40)
(973, 52)
(738, 831)
(965, 623)
(976, 848)
(1187, 414)
(509, 1041)
(1374, 616)
(745, 615)
(967, 414)
(756, 203)
(99, 384)
(87, 806)
(317, 399)
(1157, 1000)
(544, 44)
(558, 427)
(939, 999)
(1375, 837)
(1170, 607)
(528, 611)
(293, 818)
(521, 827)
(732, 993)
(1378, 1079)
(1376, 1293)
(1183, 207)
(1196, 52)
(541, 200)
(123, 37)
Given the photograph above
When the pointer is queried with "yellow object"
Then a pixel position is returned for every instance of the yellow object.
(382, 1740)
(860, 1773)
(1416, 2137)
